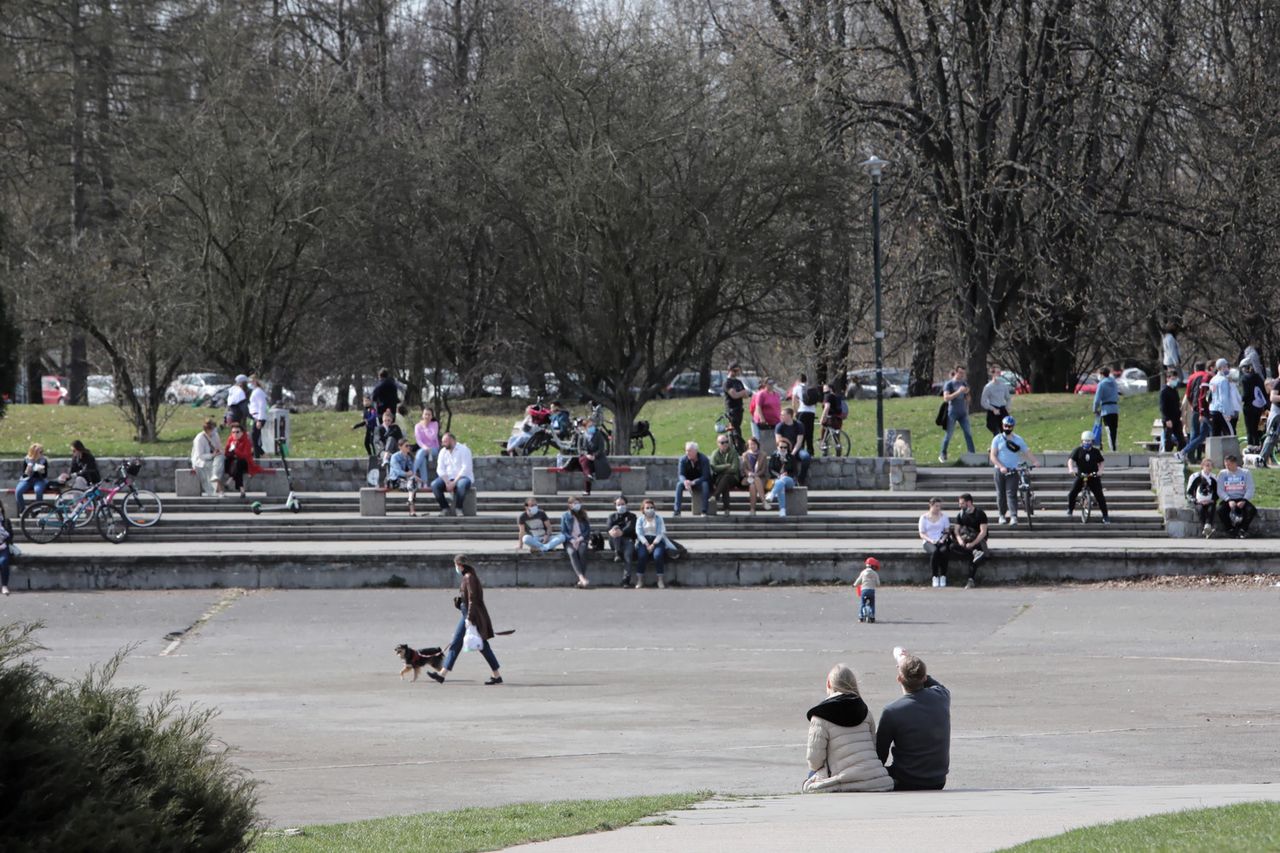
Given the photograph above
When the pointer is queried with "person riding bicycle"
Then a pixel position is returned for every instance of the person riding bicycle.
(1086, 463)
(1007, 450)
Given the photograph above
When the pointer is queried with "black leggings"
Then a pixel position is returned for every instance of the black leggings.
(236, 468)
(1095, 486)
(5, 559)
(1247, 514)
(1112, 423)
(806, 420)
(1207, 512)
(939, 556)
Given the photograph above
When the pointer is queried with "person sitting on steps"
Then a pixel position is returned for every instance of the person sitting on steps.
(1235, 487)
(454, 475)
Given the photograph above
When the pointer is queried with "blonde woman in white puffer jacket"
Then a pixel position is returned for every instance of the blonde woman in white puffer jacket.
(842, 741)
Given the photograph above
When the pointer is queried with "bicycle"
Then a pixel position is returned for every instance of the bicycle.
(42, 523)
(1086, 498)
(641, 436)
(835, 440)
(724, 424)
(138, 507)
(1026, 494)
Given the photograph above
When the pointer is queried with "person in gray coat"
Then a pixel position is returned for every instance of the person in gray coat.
(916, 729)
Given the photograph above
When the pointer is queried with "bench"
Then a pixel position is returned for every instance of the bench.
(373, 502)
(629, 479)
(1157, 437)
(10, 500)
(186, 482)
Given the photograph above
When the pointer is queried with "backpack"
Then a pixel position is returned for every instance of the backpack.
(560, 422)
(843, 407)
(812, 395)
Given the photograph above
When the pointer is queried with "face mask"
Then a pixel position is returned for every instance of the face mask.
(591, 430)
(458, 569)
(575, 506)
(1086, 444)
(620, 507)
(532, 509)
(648, 513)
(1007, 430)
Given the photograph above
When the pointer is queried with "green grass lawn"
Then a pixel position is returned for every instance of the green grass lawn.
(1246, 827)
(477, 828)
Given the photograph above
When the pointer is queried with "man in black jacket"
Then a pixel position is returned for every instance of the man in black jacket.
(1171, 414)
(622, 537)
(385, 394)
(916, 728)
(694, 474)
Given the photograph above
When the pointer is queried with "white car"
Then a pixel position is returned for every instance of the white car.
(190, 387)
(1132, 381)
(101, 389)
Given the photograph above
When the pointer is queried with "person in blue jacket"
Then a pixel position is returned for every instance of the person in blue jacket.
(1106, 404)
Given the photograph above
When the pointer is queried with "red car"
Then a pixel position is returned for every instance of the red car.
(1087, 383)
(53, 390)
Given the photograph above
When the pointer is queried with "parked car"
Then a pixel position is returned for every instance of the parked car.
(193, 387)
(862, 383)
(1133, 380)
(492, 384)
(101, 389)
(1086, 383)
(53, 390)
(1020, 385)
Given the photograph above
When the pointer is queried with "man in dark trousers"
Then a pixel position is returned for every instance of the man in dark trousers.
(1086, 463)
(385, 394)
(916, 728)
(1171, 414)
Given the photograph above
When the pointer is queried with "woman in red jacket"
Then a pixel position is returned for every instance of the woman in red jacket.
(239, 456)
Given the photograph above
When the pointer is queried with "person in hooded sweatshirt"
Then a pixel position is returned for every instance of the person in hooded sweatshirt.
(842, 741)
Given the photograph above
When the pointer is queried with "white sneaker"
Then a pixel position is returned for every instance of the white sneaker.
(1003, 520)
(1013, 522)
(935, 582)
(942, 581)
(662, 584)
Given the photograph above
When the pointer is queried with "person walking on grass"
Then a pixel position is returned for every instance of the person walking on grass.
(470, 602)
(1106, 404)
(997, 394)
(1224, 401)
(956, 394)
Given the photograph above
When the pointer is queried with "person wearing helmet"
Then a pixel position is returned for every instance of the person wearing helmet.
(1086, 463)
(1007, 450)
(866, 587)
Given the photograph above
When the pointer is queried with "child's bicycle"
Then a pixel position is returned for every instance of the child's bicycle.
(42, 523)
(724, 424)
(1086, 498)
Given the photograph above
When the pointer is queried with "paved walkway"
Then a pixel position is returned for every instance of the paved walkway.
(951, 821)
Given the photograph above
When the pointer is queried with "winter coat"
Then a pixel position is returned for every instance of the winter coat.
(596, 446)
(473, 600)
(242, 448)
(842, 748)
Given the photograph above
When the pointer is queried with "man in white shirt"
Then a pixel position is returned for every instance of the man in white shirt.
(258, 406)
(454, 474)
(237, 395)
(1224, 400)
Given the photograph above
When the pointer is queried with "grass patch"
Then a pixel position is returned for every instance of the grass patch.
(479, 828)
(1047, 421)
(1242, 827)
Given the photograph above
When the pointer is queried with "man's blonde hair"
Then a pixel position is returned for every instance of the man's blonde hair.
(912, 672)
(842, 679)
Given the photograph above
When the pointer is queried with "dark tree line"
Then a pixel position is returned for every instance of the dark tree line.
(504, 190)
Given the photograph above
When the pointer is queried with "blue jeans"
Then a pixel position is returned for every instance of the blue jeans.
(455, 647)
(702, 485)
(29, 484)
(1199, 434)
(659, 557)
(459, 492)
(5, 559)
(868, 608)
(779, 493)
(537, 544)
(963, 420)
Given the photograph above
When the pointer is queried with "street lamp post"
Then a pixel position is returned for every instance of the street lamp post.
(874, 167)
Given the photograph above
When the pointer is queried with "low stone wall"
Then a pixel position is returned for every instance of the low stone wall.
(502, 473)
(1181, 520)
(118, 569)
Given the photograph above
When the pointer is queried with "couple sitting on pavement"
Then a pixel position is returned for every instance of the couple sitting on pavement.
(846, 752)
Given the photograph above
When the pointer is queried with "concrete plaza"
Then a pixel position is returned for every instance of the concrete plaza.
(615, 692)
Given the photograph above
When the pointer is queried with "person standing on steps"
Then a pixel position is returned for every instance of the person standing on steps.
(258, 408)
(997, 394)
(916, 729)
(1106, 404)
(1007, 450)
(956, 393)
(470, 602)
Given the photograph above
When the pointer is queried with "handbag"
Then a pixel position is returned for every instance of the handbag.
(1097, 431)
(472, 641)
(941, 419)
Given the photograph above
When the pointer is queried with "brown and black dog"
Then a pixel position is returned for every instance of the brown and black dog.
(416, 659)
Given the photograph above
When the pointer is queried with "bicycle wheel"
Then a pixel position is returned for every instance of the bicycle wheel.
(844, 445)
(1027, 499)
(644, 444)
(68, 501)
(42, 523)
(111, 524)
(1086, 506)
(141, 508)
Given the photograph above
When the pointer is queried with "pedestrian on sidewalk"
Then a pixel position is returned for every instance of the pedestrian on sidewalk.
(470, 603)
(842, 741)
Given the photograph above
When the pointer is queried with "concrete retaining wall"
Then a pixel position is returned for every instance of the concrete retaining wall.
(123, 571)
(497, 473)
(1181, 520)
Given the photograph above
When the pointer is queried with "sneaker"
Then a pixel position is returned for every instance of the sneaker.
(435, 676)
(1106, 520)
(969, 584)
(1003, 520)
(497, 679)
(640, 584)
(862, 619)
(1013, 522)
(675, 513)
(942, 457)
(1180, 456)
(978, 556)
(446, 513)
(1071, 512)
(662, 584)
(626, 581)
(4, 590)
(942, 581)
(935, 582)
(871, 619)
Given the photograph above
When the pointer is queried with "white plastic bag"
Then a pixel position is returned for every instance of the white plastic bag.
(472, 641)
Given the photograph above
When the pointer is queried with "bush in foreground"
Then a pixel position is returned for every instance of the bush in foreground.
(84, 766)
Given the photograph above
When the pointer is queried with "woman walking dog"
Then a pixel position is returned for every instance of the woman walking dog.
(471, 602)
